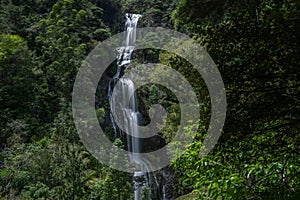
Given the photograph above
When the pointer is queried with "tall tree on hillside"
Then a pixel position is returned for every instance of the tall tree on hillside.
(65, 36)
(255, 45)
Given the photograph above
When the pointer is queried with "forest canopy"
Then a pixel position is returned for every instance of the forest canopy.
(255, 45)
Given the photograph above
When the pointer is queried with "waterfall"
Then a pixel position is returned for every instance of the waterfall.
(146, 185)
(130, 113)
(123, 61)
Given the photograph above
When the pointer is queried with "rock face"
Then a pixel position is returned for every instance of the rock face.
(153, 143)
(170, 184)
(102, 101)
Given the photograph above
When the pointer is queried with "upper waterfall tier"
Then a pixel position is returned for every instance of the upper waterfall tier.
(130, 28)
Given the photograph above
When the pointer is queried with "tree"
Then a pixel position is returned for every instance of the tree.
(254, 45)
(69, 31)
(17, 64)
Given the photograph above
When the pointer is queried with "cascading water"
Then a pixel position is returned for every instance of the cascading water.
(123, 62)
(146, 185)
(134, 144)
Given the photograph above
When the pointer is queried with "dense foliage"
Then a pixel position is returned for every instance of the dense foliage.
(255, 45)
